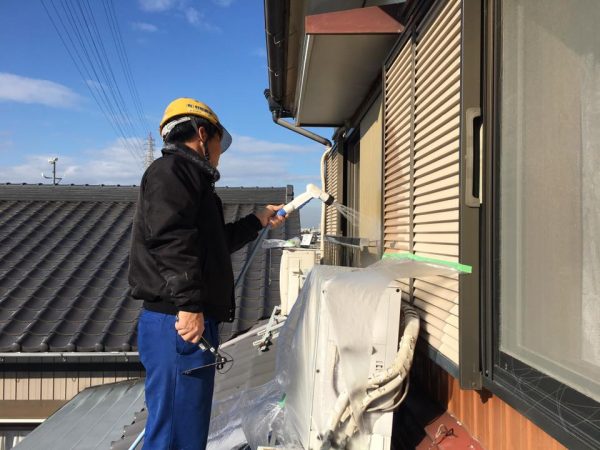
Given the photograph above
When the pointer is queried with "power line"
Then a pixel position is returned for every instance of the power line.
(94, 75)
(121, 51)
(81, 67)
(105, 62)
(98, 51)
(80, 34)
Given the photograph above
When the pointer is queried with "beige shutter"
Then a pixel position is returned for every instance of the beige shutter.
(399, 88)
(333, 185)
(421, 209)
(398, 138)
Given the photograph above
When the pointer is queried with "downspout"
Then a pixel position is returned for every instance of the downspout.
(276, 12)
(276, 111)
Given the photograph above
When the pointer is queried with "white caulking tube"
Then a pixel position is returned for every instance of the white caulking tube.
(311, 192)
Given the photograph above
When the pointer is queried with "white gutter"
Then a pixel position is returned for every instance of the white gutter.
(68, 354)
(21, 421)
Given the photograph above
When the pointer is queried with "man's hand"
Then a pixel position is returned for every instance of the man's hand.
(190, 326)
(268, 215)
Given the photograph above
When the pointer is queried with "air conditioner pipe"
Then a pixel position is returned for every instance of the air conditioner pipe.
(382, 384)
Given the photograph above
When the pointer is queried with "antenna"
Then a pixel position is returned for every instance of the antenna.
(54, 178)
(149, 152)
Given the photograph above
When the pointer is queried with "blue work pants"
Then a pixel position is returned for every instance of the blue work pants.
(178, 405)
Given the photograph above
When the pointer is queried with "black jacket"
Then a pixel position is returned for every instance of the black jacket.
(180, 247)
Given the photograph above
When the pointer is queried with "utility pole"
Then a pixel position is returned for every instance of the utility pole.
(150, 151)
(54, 178)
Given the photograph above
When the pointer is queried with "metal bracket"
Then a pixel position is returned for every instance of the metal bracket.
(268, 333)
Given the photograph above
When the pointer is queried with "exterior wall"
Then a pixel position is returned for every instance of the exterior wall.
(28, 397)
(370, 181)
(56, 385)
(491, 421)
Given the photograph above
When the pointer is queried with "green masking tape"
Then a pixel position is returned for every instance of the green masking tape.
(281, 402)
(440, 262)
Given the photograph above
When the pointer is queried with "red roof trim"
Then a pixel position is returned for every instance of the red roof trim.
(371, 20)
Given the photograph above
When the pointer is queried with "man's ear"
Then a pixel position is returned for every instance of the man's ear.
(203, 134)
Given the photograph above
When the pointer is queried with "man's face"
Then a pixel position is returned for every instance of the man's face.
(210, 147)
(214, 150)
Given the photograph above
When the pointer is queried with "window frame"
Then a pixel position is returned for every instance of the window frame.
(558, 409)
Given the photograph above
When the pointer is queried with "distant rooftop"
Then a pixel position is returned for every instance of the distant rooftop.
(64, 260)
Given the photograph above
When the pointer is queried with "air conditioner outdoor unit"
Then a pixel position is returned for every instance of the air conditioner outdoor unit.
(320, 370)
(295, 265)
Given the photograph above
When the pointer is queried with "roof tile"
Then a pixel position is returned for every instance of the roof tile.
(64, 259)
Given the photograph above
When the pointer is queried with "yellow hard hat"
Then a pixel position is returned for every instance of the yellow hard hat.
(182, 109)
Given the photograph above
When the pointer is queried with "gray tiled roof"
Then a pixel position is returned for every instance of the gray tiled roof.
(64, 258)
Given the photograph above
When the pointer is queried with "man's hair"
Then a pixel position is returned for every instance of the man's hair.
(185, 131)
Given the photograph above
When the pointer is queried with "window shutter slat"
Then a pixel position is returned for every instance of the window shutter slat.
(422, 165)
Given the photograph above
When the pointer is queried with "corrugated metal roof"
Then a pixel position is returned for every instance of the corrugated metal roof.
(64, 258)
(251, 368)
(91, 420)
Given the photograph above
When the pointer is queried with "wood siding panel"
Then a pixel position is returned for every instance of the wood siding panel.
(57, 385)
(494, 423)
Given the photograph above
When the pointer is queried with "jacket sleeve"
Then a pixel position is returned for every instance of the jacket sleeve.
(242, 231)
(171, 207)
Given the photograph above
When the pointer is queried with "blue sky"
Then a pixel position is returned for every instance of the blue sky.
(212, 50)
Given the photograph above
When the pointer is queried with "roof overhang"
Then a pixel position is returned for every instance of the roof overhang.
(343, 55)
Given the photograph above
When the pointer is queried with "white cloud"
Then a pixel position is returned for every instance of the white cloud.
(157, 5)
(246, 144)
(95, 85)
(20, 89)
(113, 164)
(198, 19)
(143, 26)
(250, 162)
(192, 15)
(257, 162)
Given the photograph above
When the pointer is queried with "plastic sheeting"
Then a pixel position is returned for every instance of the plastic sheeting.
(281, 243)
(295, 366)
(347, 299)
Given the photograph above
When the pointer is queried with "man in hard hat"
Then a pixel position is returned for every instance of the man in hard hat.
(180, 267)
